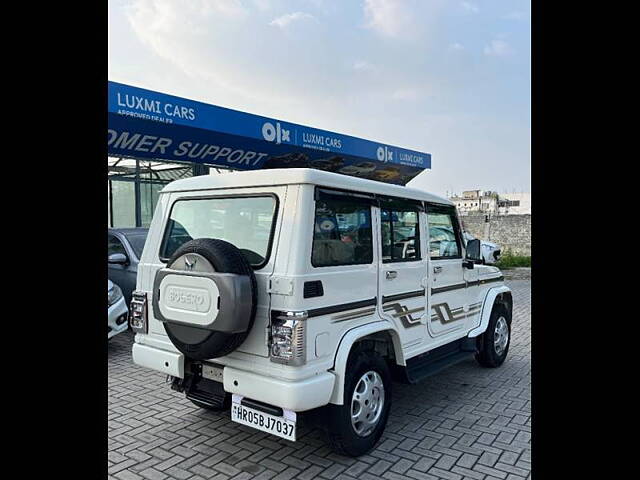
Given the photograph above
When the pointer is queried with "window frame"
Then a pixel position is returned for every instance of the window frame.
(226, 196)
(450, 210)
(119, 240)
(398, 208)
(327, 195)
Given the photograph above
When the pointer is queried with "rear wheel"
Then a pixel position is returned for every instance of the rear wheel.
(354, 428)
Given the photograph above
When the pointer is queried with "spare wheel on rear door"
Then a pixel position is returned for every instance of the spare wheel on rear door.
(206, 297)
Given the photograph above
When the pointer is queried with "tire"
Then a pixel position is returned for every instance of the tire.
(198, 343)
(493, 348)
(341, 433)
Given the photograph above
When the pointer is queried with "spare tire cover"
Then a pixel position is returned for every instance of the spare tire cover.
(210, 255)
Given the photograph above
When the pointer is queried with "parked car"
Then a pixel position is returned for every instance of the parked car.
(329, 164)
(117, 312)
(289, 160)
(360, 169)
(490, 251)
(318, 318)
(390, 172)
(123, 255)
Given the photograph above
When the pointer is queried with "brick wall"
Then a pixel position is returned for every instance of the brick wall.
(511, 232)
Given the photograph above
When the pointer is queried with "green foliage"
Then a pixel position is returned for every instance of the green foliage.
(509, 260)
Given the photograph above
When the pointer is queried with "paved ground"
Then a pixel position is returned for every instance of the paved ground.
(518, 273)
(466, 422)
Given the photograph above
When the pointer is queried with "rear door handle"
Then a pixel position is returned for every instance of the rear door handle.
(437, 269)
(391, 274)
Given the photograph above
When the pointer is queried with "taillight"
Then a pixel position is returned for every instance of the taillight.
(138, 312)
(287, 338)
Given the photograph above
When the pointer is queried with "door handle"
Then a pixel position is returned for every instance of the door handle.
(391, 274)
(437, 269)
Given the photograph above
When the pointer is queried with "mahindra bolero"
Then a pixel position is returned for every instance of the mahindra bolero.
(276, 292)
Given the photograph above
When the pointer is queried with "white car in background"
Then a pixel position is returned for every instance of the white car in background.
(490, 251)
(118, 311)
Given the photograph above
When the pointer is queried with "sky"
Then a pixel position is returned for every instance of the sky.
(446, 77)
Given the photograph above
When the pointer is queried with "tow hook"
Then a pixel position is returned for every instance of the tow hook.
(181, 384)
(177, 384)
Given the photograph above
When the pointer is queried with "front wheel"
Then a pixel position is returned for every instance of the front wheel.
(494, 342)
(354, 427)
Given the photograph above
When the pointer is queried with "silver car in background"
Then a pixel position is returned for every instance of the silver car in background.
(118, 312)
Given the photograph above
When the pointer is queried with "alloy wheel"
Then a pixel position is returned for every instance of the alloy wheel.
(367, 403)
(501, 335)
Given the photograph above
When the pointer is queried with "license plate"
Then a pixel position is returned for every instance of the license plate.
(283, 427)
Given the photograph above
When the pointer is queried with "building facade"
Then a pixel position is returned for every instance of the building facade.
(491, 203)
(515, 204)
(476, 201)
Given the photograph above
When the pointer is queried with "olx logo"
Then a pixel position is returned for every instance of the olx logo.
(277, 133)
(384, 154)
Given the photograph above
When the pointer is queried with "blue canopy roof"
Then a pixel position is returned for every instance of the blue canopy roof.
(148, 124)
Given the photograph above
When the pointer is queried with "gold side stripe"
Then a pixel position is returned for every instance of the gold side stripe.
(471, 310)
(407, 312)
(459, 313)
(353, 315)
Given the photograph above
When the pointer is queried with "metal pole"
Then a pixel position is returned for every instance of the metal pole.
(110, 187)
(137, 201)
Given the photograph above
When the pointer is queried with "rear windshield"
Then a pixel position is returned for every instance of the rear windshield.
(246, 222)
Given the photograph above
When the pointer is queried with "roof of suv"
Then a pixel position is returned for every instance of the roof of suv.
(293, 176)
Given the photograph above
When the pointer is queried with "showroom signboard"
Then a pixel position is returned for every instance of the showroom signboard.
(148, 124)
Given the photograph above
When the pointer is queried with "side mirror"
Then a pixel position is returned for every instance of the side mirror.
(118, 259)
(473, 250)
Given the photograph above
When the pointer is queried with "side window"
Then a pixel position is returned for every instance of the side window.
(342, 233)
(400, 235)
(444, 241)
(114, 245)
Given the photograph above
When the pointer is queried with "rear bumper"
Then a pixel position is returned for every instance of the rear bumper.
(298, 395)
(170, 363)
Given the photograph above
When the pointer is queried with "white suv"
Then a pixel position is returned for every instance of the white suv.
(296, 290)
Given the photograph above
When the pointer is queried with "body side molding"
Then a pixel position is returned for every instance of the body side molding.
(343, 307)
(344, 348)
(486, 309)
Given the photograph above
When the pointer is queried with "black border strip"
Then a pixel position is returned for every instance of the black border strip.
(398, 204)
(316, 312)
(466, 284)
(375, 199)
(330, 194)
(402, 296)
(487, 280)
(448, 288)
(262, 407)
